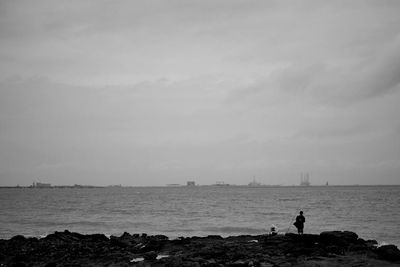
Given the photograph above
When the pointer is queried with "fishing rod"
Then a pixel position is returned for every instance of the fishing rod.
(291, 222)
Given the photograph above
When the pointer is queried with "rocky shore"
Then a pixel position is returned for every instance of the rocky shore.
(73, 249)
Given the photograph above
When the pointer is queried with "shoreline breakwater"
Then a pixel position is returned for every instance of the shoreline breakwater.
(331, 248)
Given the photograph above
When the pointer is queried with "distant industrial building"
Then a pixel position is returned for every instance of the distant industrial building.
(191, 183)
(305, 179)
(41, 185)
(221, 183)
(254, 183)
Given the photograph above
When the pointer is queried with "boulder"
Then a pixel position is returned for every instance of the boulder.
(120, 242)
(341, 238)
(388, 252)
(97, 238)
(65, 236)
(18, 238)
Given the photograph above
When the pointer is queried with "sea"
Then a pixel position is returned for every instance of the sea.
(373, 212)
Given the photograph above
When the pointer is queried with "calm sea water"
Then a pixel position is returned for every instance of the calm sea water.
(372, 212)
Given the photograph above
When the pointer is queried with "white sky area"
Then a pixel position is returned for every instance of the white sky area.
(158, 92)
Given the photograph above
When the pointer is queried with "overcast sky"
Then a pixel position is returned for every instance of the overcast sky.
(159, 92)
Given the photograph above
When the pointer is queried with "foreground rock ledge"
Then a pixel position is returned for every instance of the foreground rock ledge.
(73, 249)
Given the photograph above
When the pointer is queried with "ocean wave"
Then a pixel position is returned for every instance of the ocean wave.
(274, 213)
(239, 211)
(234, 229)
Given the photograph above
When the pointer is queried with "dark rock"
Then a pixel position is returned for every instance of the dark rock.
(18, 264)
(74, 249)
(181, 241)
(238, 263)
(152, 245)
(388, 252)
(214, 237)
(98, 238)
(120, 242)
(332, 249)
(308, 239)
(371, 243)
(341, 238)
(126, 235)
(211, 262)
(151, 255)
(212, 251)
(161, 237)
(357, 247)
(65, 236)
(18, 238)
(291, 235)
(20, 257)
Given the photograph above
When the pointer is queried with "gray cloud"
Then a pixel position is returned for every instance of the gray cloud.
(377, 75)
(176, 89)
(67, 133)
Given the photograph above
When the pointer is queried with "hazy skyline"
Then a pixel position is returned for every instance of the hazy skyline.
(159, 92)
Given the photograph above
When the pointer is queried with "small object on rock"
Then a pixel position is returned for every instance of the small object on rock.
(137, 259)
(161, 257)
(273, 231)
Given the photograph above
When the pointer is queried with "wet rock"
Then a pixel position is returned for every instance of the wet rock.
(18, 264)
(389, 252)
(74, 249)
(371, 243)
(128, 240)
(120, 242)
(65, 236)
(238, 263)
(97, 238)
(18, 238)
(214, 237)
(151, 255)
(338, 237)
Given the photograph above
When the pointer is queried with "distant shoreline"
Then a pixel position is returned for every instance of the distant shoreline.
(196, 186)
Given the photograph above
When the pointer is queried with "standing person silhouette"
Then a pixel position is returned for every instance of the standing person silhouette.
(300, 220)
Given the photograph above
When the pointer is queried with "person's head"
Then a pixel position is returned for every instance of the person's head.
(301, 212)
